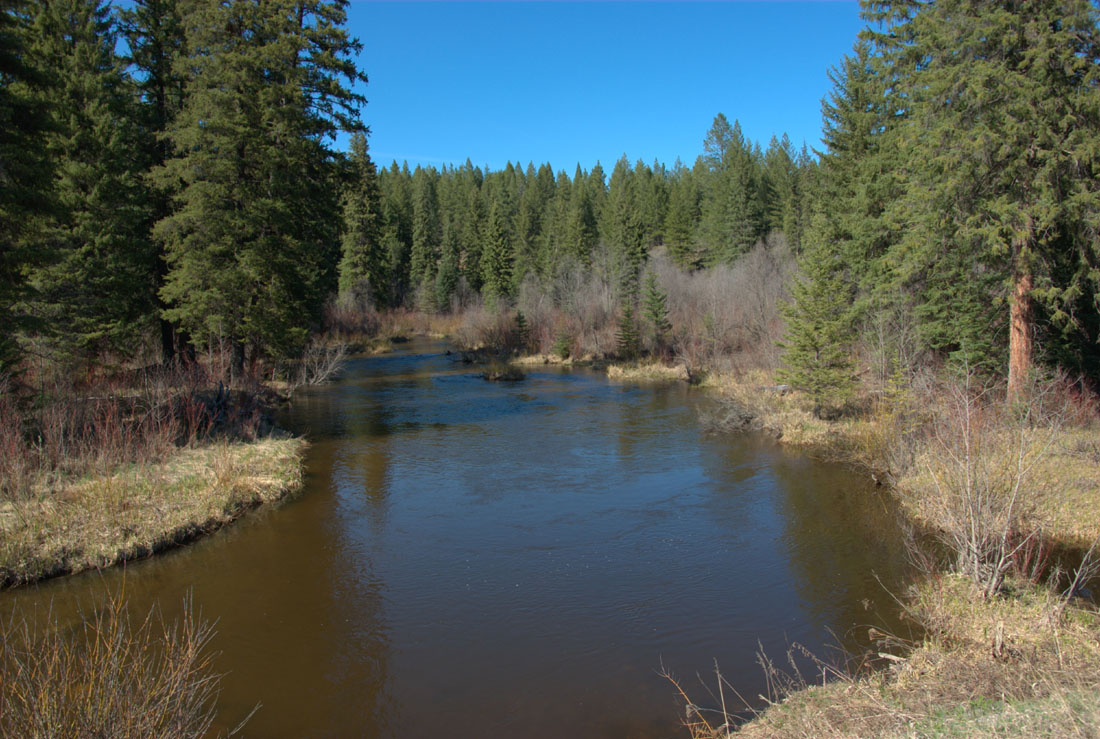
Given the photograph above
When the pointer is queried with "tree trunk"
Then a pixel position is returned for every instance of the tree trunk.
(1020, 347)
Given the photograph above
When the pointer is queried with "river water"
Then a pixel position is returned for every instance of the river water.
(474, 559)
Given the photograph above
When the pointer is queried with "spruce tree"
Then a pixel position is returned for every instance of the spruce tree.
(252, 242)
(628, 332)
(97, 294)
(26, 173)
(497, 256)
(154, 34)
(363, 262)
(655, 310)
(1003, 163)
(427, 227)
(817, 350)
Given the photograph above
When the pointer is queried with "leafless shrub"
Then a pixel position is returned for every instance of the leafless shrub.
(321, 361)
(727, 317)
(351, 317)
(975, 485)
(112, 676)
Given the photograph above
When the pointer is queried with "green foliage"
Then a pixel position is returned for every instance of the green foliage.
(628, 333)
(655, 310)
(498, 256)
(26, 172)
(817, 352)
(257, 207)
(446, 279)
(523, 332)
(731, 218)
(563, 345)
(96, 293)
(363, 263)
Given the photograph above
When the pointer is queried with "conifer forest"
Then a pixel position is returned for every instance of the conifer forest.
(192, 227)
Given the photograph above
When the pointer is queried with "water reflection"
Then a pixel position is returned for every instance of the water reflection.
(474, 558)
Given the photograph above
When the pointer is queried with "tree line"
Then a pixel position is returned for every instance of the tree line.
(415, 237)
(958, 195)
(169, 169)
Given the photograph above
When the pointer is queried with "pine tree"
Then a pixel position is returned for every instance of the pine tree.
(97, 294)
(1005, 109)
(26, 173)
(363, 262)
(817, 353)
(252, 242)
(655, 310)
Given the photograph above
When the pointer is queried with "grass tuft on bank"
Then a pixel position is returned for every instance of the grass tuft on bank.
(1019, 665)
(98, 520)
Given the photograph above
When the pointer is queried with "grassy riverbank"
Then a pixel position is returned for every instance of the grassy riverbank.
(1021, 665)
(134, 510)
(1004, 655)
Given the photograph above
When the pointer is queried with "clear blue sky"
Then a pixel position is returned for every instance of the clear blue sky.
(569, 82)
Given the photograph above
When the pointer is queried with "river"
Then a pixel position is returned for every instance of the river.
(473, 559)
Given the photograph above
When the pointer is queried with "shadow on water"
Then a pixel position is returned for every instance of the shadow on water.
(474, 558)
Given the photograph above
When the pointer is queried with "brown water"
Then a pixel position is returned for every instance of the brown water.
(475, 559)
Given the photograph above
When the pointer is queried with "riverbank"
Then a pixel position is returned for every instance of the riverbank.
(1022, 665)
(1022, 662)
(134, 510)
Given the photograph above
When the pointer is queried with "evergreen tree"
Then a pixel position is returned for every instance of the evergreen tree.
(817, 353)
(719, 139)
(498, 257)
(622, 227)
(446, 277)
(682, 216)
(628, 332)
(396, 187)
(26, 173)
(363, 263)
(427, 227)
(154, 35)
(97, 293)
(250, 242)
(1003, 156)
(582, 229)
(655, 310)
(731, 217)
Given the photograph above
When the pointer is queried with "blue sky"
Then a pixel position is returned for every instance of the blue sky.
(569, 82)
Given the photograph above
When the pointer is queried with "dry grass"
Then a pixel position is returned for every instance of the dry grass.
(1015, 666)
(648, 371)
(1019, 660)
(135, 510)
(112, 676)
(889, 434)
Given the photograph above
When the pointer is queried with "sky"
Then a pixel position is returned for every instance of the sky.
(581, 82)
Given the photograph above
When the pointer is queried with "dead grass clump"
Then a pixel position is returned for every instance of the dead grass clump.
(1008, 667)
(113, 676)
(648, 371)
(100, 520)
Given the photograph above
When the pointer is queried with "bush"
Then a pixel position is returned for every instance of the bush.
(110, 677)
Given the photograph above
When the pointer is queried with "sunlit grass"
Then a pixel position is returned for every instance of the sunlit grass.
(137, 509)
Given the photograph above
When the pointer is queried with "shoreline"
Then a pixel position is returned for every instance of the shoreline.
(135, 511)
(1024, 662)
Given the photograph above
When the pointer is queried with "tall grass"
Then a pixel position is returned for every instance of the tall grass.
(112, 676)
